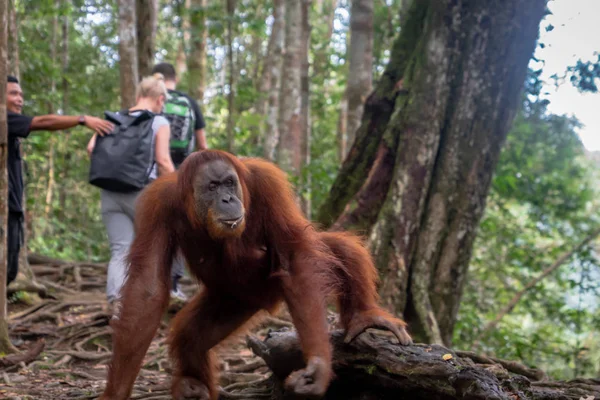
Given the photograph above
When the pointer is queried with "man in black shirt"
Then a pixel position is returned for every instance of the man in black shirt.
(19, 126)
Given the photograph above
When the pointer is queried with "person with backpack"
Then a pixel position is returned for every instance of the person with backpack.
(20, 127)
(184, 116)
(123, 163)
(187, 135)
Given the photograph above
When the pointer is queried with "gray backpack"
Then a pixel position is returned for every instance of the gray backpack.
(123, 160)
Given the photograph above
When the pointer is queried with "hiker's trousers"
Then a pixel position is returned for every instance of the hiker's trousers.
(118, 213)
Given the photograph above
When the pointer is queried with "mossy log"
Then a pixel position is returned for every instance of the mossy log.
(375, 367)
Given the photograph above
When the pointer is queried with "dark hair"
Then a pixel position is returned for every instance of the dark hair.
(166, 69)
(11, 79)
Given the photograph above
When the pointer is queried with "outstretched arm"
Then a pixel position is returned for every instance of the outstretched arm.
(53, 122)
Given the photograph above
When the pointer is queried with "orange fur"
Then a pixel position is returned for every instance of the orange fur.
(279, 256)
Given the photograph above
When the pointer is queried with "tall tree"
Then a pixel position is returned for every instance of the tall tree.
(360, 70)
(181, 60)
(273, 56)
(128, 63)
(274, 66)
(231, 76)
(290, 103)
(51, 110)
(255, 48)
(146, 21)
(5, 345)
(305, 107)
(65, 142)
(427, 146)
(13, 40)
(325, 18)
(197, 57)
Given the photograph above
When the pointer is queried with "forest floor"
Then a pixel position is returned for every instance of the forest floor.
(64, 339)
(72, 320)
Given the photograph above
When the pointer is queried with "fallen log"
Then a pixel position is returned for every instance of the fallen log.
(373, 367)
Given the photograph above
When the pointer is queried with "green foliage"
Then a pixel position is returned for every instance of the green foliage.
(584, 74)
(543, 197)
(63, 208)
(541, 205)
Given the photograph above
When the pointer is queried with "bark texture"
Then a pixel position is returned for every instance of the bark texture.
(13, 40)
(197, 58)
(230, 9)
(458, 68)
(290, 135)
(5, 345)
(360, 70)
(275, 64)
(273, 56)
(128, 60)
(377, 112)
(371, 367)
(324, 21)
(305, 119)
(146, 21)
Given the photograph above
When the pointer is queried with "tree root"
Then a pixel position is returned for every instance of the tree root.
(82, 355)
(27, 357)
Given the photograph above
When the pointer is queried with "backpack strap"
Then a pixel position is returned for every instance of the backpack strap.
(125, 119)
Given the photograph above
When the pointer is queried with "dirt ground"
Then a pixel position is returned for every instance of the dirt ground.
(72, 320)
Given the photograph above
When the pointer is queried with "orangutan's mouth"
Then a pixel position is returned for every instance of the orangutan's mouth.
(232, 223)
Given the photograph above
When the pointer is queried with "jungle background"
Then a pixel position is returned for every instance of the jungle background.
(532, 289)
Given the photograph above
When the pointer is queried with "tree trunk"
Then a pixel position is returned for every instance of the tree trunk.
(290, 135)
(181, 60)
(147, 12)
(128, 63)
(305, 120)
(257, 58)
(231, 94)
(342, 137)
(404, 8)
(64, 144)
(197, 58)
(13, 40)
(377, 112)
(274, 66)
(52, 110)
(326, 12)
(273, 57)
(51, 181)
(360, 72)
(462, 66)
(5, 345)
